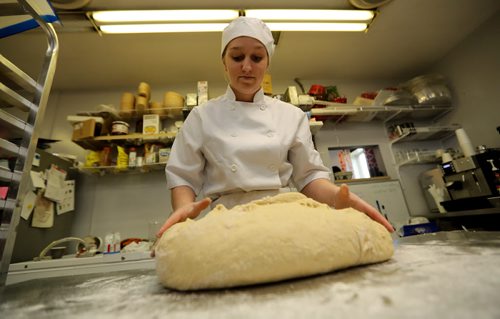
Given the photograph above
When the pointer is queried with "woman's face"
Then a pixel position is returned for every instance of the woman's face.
(245, 62)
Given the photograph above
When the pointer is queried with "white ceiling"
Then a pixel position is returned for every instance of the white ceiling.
(406, 37)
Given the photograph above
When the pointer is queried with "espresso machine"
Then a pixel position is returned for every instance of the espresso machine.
(472, 181)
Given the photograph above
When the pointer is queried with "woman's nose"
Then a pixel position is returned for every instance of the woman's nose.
(246, 65)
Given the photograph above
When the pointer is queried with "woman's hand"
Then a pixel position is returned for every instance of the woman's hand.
(326, 192)
(191, 210)
(344, 199)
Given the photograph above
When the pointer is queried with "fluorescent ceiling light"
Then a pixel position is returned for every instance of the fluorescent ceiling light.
(163, 15)
(159, 21)
(310, 15)
(317, 26)
(163, 28)
(218, 27)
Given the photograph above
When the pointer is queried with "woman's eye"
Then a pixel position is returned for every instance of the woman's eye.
(256, 58)
(238, 58)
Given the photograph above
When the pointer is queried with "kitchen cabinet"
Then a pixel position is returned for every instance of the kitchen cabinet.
(387, 197)
(23, 101)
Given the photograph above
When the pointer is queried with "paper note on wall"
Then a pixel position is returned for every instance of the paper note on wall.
(68, 202)
(37, 179)
(43, 215)
(28, 204)
(55, 184)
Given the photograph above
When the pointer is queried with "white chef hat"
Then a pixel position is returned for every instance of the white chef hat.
(248, 27)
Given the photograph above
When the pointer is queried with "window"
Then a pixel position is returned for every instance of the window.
(354, 162)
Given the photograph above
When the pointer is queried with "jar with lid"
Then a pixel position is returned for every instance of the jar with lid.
(119, 128)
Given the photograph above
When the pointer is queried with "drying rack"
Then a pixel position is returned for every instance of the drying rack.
(21, 94)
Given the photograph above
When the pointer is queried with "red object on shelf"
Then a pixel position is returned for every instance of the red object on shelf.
(340, 100)
(317, 91)
(369, 95)
(3, 192)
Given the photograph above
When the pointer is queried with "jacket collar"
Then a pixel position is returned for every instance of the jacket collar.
(258, 98)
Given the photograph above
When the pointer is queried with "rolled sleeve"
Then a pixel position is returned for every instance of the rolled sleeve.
(186, 163)
(306, 161)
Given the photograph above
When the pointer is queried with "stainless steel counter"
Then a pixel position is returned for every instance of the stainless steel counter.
(443, 275)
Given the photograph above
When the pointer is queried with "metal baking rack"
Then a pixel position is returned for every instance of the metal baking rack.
(22, 105)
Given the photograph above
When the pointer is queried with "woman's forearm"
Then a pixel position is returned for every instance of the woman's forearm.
(321, 190)
(181, 196)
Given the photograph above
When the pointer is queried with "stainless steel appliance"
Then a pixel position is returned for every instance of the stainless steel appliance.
(470, 181)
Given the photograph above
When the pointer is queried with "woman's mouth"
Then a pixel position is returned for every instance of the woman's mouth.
(247, 78)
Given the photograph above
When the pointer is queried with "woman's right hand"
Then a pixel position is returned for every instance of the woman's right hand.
(191, 210)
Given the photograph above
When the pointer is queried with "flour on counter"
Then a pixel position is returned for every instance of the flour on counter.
(420, 281)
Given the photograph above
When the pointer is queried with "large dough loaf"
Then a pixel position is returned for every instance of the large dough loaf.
(271, 239)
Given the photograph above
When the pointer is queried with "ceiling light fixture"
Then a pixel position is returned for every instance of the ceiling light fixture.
(159, 21)
(127, 16)
(310, 15)
(163, 27)
(276, 26)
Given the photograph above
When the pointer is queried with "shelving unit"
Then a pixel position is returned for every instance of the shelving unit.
(420, 134)
(418, 157)
(417, 146)
(103, 170)
(315, 126)
(8, 176)
(167, 136)
(383, 113)
(425, 133)
(11, 126)
(18, 137)
(98, 142)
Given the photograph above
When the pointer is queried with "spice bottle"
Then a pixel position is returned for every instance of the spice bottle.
(106, 156)
(132, 157)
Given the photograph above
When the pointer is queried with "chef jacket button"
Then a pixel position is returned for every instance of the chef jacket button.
(272, 167)
(234, 134)
(234, 168)
(233, 107)
(270, 134)
(262, 107)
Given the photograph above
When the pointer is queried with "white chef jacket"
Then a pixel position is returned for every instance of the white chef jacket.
(227, 146)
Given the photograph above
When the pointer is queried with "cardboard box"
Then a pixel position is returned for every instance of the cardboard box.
(84, 129)
(191, 100)
(202, 92)
(151, 124)
(291, 95)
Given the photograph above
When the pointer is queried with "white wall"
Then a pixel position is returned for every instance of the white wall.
(123, 203)
(473, 69)
(126, 203)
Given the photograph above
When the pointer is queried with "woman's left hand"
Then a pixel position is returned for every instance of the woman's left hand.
(344, 199)
(340, 197)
